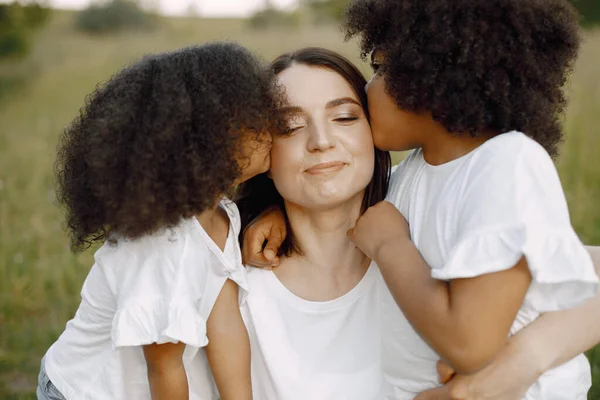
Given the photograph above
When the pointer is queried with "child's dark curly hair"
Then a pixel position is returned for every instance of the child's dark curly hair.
(161, 140)
(474, 64)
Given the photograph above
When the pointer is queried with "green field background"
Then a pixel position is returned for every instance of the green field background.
(40, 278)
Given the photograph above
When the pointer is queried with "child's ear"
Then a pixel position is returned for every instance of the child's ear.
(269, 174)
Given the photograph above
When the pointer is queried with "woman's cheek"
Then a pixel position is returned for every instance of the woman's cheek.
(360, 142)
(362, 148)
(285, 162)
(283, 154)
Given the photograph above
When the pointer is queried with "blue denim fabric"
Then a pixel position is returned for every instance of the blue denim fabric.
(46, 390)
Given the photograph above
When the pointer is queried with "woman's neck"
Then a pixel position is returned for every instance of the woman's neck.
(322, 236)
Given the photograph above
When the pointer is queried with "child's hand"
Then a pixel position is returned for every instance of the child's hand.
(455, 387)
(381, 223)
(269, 227)
(445, 372)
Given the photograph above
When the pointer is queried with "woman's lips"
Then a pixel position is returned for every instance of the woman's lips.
(325, 168)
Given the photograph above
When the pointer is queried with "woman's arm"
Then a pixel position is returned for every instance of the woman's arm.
(166, 372)
(228, 350)
(548, 342)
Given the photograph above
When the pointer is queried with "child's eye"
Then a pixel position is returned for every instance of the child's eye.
(375, 66)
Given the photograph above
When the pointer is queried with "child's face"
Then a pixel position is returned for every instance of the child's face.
(393, 129)
(255, 156)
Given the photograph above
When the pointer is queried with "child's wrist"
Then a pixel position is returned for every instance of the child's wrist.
(396, 244)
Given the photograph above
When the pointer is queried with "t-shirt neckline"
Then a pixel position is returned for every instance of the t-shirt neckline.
(309, 305)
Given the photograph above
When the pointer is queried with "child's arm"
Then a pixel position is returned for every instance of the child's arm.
(551, 340)
(466, 321)
(228, 349)
(166, 372)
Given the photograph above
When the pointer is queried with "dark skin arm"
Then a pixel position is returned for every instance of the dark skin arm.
(551, 340)
(166, 372)
(466, 321)
(228, 349)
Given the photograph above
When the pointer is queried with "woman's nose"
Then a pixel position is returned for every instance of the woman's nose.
(321, 138)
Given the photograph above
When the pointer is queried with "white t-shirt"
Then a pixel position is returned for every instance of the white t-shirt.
(302, 349)
(157, 289)
(479, 214)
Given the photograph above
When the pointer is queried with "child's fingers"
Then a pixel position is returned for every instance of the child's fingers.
(445, 372)
(350, 234)
(441, 393)
(269, 254)
(260, 264)
(256, 258)
(252, 245)
(274, 242)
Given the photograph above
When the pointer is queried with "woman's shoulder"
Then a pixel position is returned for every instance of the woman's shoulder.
(257, 276)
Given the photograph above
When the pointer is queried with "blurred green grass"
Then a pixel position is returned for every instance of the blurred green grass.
(40, 279)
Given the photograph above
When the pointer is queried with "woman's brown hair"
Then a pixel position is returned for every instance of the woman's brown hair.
(259, 193)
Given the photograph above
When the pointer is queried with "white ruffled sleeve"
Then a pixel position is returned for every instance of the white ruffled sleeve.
(514, 206)
(166, 287)
(159, 321)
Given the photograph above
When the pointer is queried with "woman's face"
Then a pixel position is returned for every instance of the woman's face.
(327, 157)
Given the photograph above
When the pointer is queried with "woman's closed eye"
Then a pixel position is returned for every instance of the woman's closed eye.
(345, 119)
(292, 129)
(294, 124)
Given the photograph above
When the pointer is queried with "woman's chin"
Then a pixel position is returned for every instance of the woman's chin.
(328, 199)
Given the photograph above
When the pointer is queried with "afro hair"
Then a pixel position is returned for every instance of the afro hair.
(161, 140)
(475, 65)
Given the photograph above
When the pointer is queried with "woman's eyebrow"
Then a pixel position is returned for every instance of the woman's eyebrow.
(291, 110)
(340, 101)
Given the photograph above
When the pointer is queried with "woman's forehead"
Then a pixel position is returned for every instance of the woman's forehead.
(307, 84)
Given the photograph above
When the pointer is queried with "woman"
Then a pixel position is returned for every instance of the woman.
(319, 172)
(313, 322)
